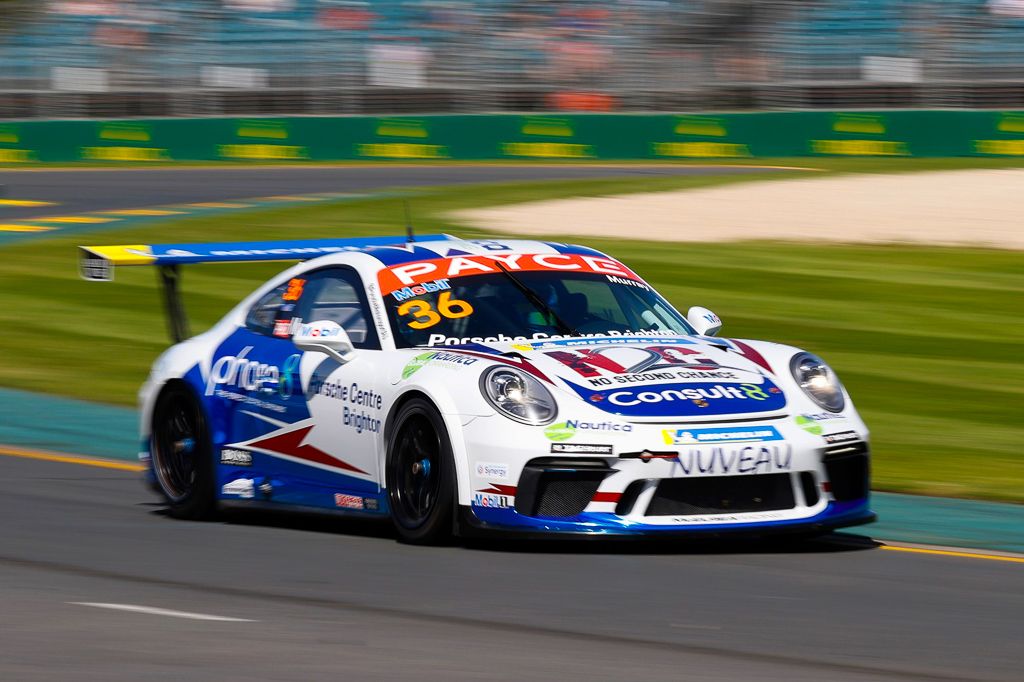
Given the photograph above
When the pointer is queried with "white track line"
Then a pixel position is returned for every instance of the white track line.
(161, 612)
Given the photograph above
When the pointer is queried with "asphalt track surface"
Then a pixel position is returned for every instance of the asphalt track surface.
(324, 598)
(80, 191)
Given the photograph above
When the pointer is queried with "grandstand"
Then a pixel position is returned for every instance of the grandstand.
(149, 57)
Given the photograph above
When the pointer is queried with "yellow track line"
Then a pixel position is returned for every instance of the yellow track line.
(11, 451)
(142, 212)
(25, 202)
(12, 227)
(84, 219)
(949, 552)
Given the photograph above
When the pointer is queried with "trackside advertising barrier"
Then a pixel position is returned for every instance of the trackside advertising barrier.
(522, 137)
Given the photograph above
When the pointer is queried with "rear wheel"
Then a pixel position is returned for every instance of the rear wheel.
(420, 475)
(182, 457)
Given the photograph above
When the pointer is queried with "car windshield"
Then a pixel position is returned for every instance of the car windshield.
(494, 307)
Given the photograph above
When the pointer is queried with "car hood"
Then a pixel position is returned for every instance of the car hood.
(650, 377)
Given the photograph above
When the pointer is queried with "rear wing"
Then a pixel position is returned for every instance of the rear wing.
(97, 263)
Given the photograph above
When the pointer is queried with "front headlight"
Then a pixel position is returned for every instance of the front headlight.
(818, 381)
(518, 396)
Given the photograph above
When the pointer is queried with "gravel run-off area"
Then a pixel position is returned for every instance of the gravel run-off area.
(964, 207)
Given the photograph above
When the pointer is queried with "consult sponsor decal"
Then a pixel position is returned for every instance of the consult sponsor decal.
(669, 400)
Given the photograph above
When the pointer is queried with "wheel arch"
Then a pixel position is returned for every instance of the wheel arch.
(453, 424)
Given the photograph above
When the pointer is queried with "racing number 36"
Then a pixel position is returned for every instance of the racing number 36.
(426, 316)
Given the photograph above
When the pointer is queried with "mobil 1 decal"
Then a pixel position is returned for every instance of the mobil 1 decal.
(686, 399)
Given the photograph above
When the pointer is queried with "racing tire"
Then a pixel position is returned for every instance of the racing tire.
(181, 454)
(420, 475)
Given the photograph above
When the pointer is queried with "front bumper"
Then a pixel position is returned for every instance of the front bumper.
(798, 482)
(476, 522)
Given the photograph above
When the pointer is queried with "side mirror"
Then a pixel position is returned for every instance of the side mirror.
(704, 321)
(325, 337)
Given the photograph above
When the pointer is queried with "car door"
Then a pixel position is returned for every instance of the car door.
(345, 404)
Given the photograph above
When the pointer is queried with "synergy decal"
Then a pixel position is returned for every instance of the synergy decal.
(447, 360)
(764, 459)
(492, 470)
(670, 400)
(688, 436)
(398, 277)
(568, 428)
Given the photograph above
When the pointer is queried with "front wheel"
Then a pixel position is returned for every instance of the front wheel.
(420, 475)
(182, 459)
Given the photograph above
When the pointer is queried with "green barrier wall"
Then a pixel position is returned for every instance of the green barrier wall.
(477, 137)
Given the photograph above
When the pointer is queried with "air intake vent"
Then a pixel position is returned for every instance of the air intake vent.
(722, 494)
(810, 488)
(558, 487)
(849, 471)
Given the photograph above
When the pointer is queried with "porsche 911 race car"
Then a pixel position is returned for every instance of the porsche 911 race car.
(463, 386)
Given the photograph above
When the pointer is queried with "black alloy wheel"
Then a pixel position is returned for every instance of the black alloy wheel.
(181, 454)
(420, 475)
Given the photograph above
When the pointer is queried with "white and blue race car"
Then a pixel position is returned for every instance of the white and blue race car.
(463, 386)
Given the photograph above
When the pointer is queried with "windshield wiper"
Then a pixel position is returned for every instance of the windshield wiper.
(538, 303)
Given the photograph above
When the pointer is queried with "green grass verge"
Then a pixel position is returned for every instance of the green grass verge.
(926, 339)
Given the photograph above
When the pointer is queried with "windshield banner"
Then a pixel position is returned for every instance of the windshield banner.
(399, 277)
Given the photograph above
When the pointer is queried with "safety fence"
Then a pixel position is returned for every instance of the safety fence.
(523, 137)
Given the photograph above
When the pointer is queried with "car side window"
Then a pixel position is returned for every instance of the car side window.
(336, 294)
(268, 310)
